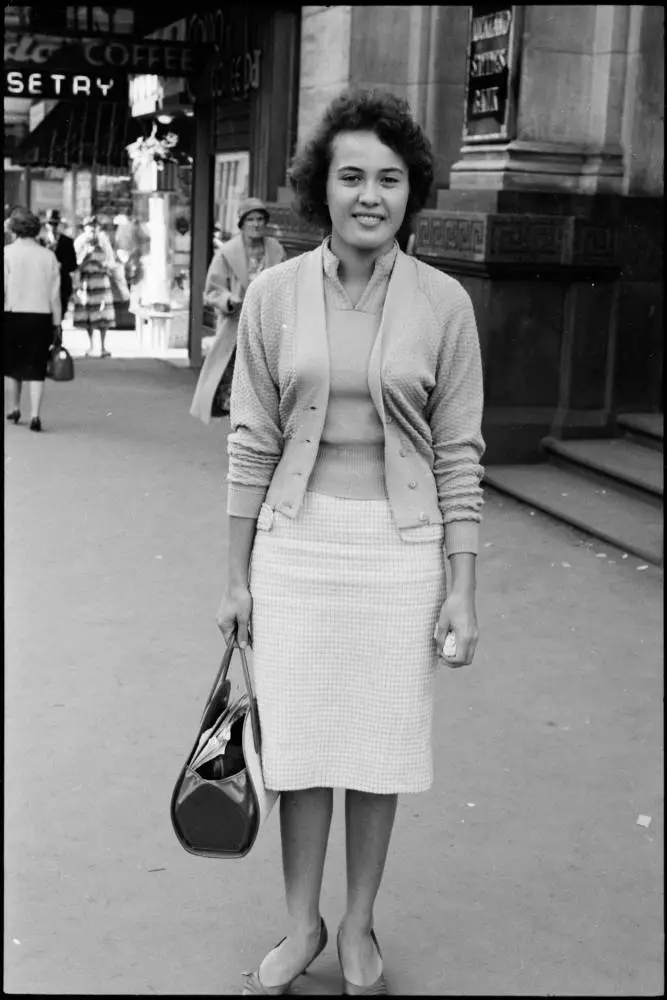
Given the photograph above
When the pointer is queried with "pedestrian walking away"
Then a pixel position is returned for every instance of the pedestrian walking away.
(63, 247)
(354, 473)
(235, 264)
(93, 296)
(32, 314)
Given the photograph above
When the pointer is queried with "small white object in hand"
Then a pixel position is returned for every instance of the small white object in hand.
(449, 649)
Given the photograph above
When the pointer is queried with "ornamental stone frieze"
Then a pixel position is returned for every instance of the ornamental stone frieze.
(479, 240)
(515, 239)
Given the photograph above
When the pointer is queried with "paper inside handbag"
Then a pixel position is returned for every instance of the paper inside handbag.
(221, 744)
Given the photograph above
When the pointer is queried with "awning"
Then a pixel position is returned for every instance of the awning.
(80, 134)
(89, 135)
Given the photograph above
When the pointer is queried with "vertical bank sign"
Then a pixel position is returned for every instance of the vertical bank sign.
(492, 66)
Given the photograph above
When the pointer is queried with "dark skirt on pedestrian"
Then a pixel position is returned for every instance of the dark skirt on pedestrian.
(27, 337)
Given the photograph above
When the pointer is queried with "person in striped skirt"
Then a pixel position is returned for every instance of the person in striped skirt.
(354, 477)
(93, 298)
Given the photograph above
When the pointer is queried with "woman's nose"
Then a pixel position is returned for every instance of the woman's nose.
(369, 194)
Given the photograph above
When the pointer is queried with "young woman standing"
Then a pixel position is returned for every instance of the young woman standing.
(354, 474)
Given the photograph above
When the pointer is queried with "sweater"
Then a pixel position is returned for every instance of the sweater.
(424, 376)
(350, 460)
(32, 279)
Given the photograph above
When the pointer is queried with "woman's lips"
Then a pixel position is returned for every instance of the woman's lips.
(369, 221)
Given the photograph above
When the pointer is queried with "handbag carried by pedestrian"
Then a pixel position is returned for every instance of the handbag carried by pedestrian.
(60, 366)
(219, 802)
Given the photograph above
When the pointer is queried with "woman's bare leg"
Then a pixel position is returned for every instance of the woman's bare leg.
(13, 390)
(91, 335)
(369, 821)
(305, 819)
(36, 390)
(103, 334)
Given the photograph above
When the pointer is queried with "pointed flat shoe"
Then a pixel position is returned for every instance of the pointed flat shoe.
(376, 989)
(254, 986)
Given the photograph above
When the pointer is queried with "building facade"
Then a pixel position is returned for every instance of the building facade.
(547, 126)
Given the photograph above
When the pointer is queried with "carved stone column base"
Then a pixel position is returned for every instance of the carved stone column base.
(521, 165)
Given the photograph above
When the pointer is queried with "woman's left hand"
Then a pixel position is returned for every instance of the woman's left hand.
(458, 616)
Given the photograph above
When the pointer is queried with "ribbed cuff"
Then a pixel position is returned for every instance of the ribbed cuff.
(244, 501)
(462, 536)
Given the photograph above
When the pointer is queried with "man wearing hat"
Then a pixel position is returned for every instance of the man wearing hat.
(233, 267)
(63, 247)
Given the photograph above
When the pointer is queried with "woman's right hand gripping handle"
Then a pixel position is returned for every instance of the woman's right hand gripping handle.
(234, 614)
(236, 605)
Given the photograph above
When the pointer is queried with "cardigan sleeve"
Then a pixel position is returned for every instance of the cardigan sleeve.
(454, 413)
(255, 442)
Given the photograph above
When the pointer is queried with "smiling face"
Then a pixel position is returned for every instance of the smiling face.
(367, 193)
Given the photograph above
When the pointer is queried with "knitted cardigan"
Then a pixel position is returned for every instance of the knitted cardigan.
(424, 376)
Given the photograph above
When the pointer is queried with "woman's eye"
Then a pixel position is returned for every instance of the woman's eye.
(390, 180)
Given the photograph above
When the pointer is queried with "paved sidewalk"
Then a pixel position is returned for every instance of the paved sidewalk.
(524, 872)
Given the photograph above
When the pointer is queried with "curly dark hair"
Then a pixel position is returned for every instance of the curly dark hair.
(389, 117)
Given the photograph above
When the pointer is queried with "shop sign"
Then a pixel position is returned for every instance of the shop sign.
(490, 100)
(234, 70)
(43, 52)
(145, 95)
(65, 86)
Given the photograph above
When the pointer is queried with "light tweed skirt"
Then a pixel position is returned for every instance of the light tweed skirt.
(344, 657)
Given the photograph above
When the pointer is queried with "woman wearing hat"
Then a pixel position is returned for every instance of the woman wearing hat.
(32, 313)
(233, 267)
(63, 248)
(93, 302)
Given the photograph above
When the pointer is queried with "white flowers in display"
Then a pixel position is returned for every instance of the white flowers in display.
(153, 150)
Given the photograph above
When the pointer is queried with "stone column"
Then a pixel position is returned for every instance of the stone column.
(325, 62)
(155, 333)
(567, 77)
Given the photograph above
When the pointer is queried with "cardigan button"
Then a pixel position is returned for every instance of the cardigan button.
(402, 453)
(412, 484)
(424, 516)
(390, 419)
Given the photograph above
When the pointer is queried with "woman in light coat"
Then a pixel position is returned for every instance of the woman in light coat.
(354, 476)
(33, 313)
(236, 263)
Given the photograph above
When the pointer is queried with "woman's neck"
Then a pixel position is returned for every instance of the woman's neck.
(253, 243)
(356, 266)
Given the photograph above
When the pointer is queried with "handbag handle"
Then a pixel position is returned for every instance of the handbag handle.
(222, 677)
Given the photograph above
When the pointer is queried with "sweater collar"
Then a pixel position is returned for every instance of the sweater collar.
(383, 265)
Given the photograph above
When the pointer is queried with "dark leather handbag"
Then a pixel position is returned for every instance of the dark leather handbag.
(217, 808)
(60, 366)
